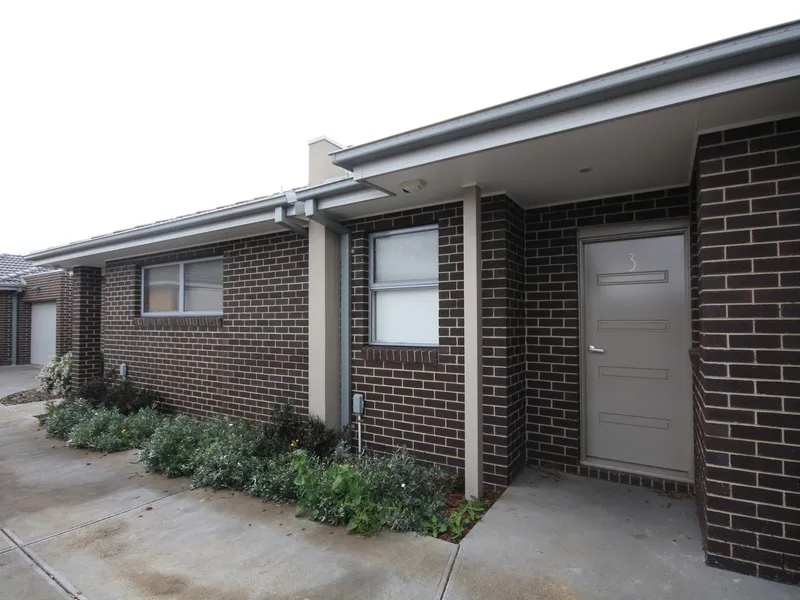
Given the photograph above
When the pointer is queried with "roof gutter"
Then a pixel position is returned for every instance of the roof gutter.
(207, 218)
(735, 52)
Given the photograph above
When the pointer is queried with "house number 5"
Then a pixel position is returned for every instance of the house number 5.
(633, 268)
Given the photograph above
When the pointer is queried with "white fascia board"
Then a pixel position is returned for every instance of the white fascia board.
(182, 238)
(702, 87)
(139, 246)
(363, 195)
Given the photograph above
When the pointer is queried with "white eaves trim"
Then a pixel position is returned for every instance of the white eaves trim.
(662, 97)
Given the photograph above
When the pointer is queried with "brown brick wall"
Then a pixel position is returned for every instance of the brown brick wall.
(5, 327)
(419, 405)
(749, 211)
(551, 238)
(241, 364)
(504, 366)
(24, 332)
(87, 360)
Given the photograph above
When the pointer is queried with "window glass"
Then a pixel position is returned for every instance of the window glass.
(407, 257)
(404, 288)
(161, 289)
(202, 286)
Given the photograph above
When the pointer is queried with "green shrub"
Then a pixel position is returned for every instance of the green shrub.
(172, 446)
(111, 391)
(108, 430)
(55, 377)
(368, 492)
(143, 424)
(226, 458)
(336, 494)
(406, 490)
(273, 479)
(61, 418)
(104, 431)
(288, 430)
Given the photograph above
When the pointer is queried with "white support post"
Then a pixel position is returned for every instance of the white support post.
(324, 319)
(473, 384)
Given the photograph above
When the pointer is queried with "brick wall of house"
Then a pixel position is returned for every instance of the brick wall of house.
(239, 364)
(64, 316)
(749, 209)
(5, 327)
(504, 357)
(551, 277)
(87, 288)
(699, 425)
(413, 398)
(23, 332)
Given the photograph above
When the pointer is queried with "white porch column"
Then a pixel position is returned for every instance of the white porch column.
(473, 379)
(323, 324)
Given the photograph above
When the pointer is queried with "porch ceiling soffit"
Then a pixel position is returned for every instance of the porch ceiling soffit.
(648, 150)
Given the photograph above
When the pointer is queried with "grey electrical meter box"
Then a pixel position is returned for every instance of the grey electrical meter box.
(358, 404)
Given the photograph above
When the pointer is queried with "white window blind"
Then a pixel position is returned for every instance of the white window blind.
(404, 287)
(202, 286)
(191, 287)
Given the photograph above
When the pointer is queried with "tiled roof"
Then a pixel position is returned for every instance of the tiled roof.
(13, 269)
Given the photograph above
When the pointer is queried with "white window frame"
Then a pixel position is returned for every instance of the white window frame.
(180, 312)
(373, 287)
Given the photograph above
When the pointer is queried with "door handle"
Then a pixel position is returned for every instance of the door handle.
(596, 350)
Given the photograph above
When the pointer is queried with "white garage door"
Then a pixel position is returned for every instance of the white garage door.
(43, 332)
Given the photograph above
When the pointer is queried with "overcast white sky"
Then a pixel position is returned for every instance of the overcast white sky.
(117, 114)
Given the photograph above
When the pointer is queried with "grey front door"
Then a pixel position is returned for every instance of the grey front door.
(635, 354)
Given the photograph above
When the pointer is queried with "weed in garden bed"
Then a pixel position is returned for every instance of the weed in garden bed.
(456, 523)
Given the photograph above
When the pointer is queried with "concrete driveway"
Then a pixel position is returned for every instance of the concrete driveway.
(18, 379)
(105, 529)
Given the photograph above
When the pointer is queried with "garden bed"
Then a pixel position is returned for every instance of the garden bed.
(26, 397)
(294, 459)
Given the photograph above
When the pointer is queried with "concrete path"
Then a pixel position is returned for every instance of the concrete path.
(106, 529)
(557, 537)
(18, 379)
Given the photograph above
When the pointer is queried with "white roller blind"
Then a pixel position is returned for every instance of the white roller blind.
(407, 316)
(202, 286)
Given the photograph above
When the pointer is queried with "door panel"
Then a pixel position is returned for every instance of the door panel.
(638, 405)
(43, 332)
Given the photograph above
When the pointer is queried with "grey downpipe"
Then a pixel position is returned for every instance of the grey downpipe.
(344, 300)
(14, 326)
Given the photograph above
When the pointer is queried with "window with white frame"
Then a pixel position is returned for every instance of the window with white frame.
(192, 287)
(404, 287)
